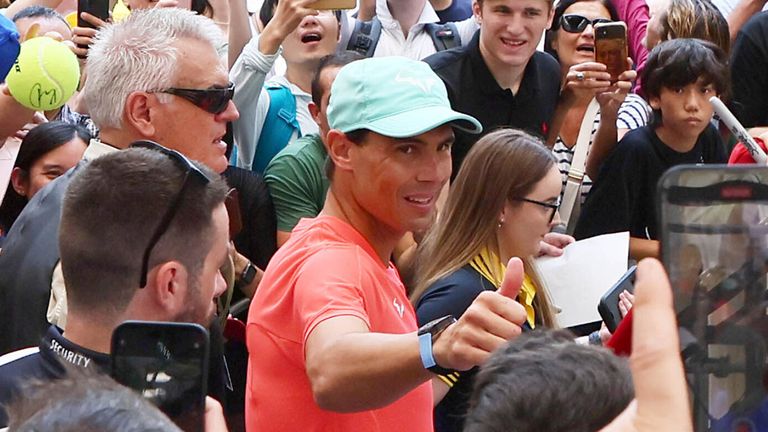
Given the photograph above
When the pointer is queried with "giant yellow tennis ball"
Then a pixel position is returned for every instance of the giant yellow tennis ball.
(45, 75)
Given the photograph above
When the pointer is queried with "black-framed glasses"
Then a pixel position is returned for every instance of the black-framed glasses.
(214, 99)
(190, 172)
(573, 23)
(552, 206)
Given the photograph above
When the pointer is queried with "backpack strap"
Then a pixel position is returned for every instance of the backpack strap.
(365, 37)
(279, 125)
(444, 36)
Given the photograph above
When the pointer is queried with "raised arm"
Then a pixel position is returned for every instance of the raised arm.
(606, 137)
(239, 30)
(344, 360)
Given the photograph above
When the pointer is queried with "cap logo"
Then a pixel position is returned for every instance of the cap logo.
(425, 84)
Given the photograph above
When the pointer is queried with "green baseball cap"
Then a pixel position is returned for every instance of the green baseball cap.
(392, 96)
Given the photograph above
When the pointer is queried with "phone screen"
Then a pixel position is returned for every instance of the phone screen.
(715, 248)
(611, 47)
(167, 363)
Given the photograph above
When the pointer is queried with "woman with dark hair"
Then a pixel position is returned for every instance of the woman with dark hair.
(48, 151)
(572, 41)
(493, 213)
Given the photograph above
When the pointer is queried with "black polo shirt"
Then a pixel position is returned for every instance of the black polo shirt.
(473, 90)
(45, 365)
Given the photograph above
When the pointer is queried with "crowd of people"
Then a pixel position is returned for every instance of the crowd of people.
(351, 203)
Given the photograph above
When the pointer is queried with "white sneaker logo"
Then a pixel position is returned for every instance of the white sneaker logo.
(398, 307)
(424, 84)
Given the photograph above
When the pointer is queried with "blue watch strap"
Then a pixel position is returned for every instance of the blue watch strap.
(425, 351)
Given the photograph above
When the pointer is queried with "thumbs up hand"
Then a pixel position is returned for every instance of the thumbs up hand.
(490, 321)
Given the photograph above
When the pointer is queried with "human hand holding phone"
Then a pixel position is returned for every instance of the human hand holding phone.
(611, 99)
(661, 394)
(584, 80)
(611, 302)
(88, 24)
(287, 17)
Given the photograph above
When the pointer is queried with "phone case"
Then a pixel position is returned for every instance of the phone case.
(97, 8)
(714, 244)
(609, 302)
(611, 47)
(334, 4)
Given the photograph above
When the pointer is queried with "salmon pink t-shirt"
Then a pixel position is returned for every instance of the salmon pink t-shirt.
(327, 269)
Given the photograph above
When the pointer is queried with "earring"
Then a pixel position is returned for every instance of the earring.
(501, 222)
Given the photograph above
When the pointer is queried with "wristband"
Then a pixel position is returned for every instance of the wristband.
(425, 351)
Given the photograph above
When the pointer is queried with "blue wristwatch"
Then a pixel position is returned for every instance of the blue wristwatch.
(428, 333)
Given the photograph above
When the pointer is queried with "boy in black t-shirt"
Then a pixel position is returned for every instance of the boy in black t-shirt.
(679, 78)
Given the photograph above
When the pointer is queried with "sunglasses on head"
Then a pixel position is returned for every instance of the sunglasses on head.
(573, 23)
(214, 100)
(191, 174)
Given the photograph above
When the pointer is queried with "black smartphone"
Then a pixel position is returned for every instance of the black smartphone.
(609, 302)
(714, 245)
(167, 363)
(611, 47)
(97, 8)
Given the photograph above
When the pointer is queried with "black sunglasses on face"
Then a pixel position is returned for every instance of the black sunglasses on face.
(573, 23)
(553, 206)
(190, 172)
(214, 100)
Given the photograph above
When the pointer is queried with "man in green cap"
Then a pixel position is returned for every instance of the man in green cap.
(333, 340)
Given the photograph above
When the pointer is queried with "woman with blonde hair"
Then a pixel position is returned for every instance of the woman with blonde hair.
(697, 19)
(501, 205)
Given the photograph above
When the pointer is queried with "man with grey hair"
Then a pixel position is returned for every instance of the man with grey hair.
(154, 76)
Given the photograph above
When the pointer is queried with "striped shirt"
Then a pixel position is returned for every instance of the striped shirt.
(634, 112)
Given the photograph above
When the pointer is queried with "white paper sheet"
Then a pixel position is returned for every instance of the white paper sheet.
(587, 269)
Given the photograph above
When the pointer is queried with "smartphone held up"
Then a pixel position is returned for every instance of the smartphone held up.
(97, 8)
(611, 47)
(167, 363)
(333, 4)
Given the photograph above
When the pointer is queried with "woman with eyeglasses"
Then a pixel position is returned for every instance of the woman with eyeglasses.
(493, 213)
(571, 40)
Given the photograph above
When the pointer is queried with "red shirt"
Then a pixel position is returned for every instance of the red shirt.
(326, 269)
(740, 154)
